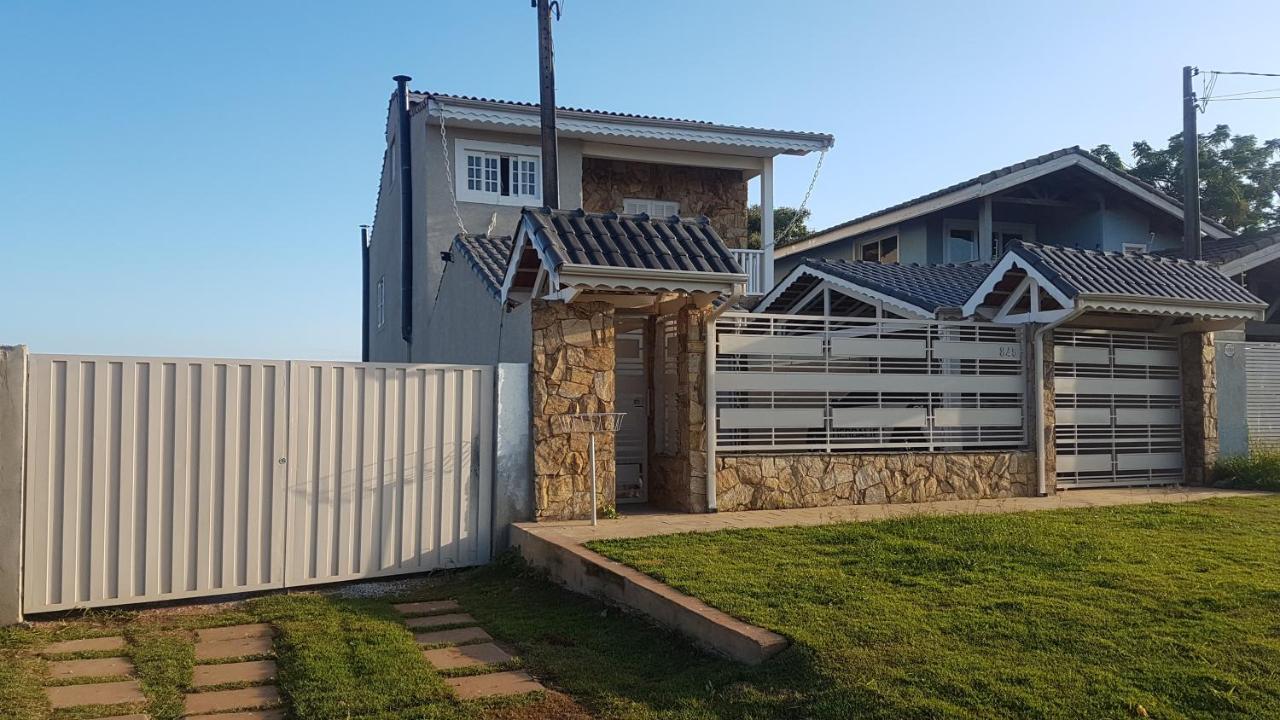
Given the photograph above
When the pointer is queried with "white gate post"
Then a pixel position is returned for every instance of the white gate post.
(13, 435)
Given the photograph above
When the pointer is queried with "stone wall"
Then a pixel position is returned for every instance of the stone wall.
(572, 371)
(763, 482)
(1199, 407)
(1050, 418)
(719, 194)
(678, 481)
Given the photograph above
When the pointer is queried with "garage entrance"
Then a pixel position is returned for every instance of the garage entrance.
(1118, 408)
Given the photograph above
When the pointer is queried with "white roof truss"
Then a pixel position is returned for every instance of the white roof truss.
(857, 292)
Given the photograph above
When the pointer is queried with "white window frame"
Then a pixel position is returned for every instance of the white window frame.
(1129, 247)
(857, 247)
(485, 149)
(1027, 229)
(650, 206)
(382, 301)
(948, 226)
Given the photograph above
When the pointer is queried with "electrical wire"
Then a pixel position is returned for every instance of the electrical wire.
(1237, 72)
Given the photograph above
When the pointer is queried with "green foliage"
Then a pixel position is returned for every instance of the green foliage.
(1239, 175)
(1259, 470)
(783, 218)
(1065, 614)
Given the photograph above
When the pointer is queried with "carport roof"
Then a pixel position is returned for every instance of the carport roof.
(488, 256)
(920, 287)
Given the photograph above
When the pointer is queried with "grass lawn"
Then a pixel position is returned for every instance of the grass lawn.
(1166, 611)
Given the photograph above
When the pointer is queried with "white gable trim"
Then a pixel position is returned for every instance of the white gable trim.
(1250, 261)
(525, 237)
(1013, 261)
(858, 292)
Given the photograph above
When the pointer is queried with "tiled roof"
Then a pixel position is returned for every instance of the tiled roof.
(927, 287)
(488, 256)
(1007, 170)
(629, 241)
(1137, 275)
(1228, 249)
(417, 101)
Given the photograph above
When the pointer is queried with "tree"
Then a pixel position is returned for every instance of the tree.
(783, 217)
(1239, 176)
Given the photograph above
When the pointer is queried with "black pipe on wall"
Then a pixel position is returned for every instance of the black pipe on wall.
(364, 293)
(406, 213)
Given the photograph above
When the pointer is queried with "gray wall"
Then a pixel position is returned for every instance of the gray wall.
(1233, 395)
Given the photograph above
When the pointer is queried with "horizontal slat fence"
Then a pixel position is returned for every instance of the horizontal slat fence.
(799, 383)
(165, 478)
(1262, 372)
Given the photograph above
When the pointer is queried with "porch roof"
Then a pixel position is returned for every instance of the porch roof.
(1115, 282)
(610, 251)
(488, 256)
(921, 289)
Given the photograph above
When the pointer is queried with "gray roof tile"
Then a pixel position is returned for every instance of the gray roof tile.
(488, 256)
(1138, 275)
(630, 241)
(928, 287)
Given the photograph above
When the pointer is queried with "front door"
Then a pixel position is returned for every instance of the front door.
(632, 398)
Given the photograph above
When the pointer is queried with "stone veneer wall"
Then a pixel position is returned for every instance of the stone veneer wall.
(571, 371)
(678, 482)
(719, 194)
(764, 482)
(1050, 418)
(1199, 406)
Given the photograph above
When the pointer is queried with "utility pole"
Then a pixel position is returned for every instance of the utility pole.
(1190, 169)
(547, 103)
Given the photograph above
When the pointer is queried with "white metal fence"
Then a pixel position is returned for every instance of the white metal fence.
(794, 383)
(163, 478)
(1262, 372)
(1118, 408)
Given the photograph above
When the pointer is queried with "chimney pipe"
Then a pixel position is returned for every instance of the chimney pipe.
(406, 214)
(364, 293)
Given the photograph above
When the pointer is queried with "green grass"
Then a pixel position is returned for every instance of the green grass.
(1072, 614)
(1259, 470)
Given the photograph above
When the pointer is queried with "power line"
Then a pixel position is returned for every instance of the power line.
(1250, 92)
(1238, 99)
(1238, 72)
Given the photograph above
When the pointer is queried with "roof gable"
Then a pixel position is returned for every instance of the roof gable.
(922, 289)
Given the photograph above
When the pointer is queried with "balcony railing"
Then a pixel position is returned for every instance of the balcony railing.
(752, 262)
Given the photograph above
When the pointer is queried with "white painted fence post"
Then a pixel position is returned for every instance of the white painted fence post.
(13, 434)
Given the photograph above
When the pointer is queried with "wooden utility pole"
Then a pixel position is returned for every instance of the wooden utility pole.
(547, 103)
(1190, 169)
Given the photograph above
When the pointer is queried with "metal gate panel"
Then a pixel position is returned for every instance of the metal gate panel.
(152, 479)
(1262, 372)
(1118, 408)
(391, 470)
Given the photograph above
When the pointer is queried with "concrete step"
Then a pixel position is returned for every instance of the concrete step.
(232, 647)
(86, 645)
(433, 621)
(274, 714)
(234, 632)
(111, 693)
(426, 608)
(462, 656)
(254, 671)
(458, 636)
(515, 682)
(226, 700)
(99, 667)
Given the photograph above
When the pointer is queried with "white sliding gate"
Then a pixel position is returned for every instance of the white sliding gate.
(1262, 373)
(1118, 408)
(787, 383)
(162, 478)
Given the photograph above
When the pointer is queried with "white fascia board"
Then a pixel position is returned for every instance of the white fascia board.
(1250, 261)
(692, 158)
(524, 237)
(1185, 308)
(576, 123)
(1000, 184)
(857, 292)
(1012, 261)
(597, 277)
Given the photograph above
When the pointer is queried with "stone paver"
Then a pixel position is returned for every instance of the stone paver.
(433, 621)
(234, 647)
(276, 714)
(515, 682)
(100, 667)
(112, 693)
(453, 637)
(234, 632)
(254, 671)
(125, 717)
(86, 645)
(424, 608)
(463, 656)
(224, 700)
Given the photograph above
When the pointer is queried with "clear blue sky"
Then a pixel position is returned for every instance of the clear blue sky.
(188, 178)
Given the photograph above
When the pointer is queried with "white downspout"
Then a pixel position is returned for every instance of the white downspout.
(766, 220)
(1038, 339)
(709, 406)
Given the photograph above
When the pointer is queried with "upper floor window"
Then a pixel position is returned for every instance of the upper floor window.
(960, 239)
(884, 250)
(498, 174)
(653, 208)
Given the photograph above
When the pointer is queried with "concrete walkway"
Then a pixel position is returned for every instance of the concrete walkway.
(645, 523)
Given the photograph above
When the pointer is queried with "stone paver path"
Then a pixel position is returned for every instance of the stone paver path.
(123, 690)
(465, 647)
(259, 701)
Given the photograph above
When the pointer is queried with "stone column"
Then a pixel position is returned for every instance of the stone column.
(1199, 407)
(1050, 418)
(13, 433)
(693, 391)
(571, 371)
